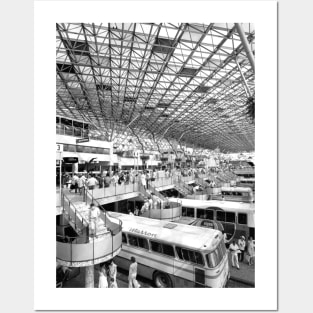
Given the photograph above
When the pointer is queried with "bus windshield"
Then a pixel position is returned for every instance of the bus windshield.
(215, 257)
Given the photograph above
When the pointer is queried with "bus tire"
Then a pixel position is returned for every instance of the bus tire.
(162, 280)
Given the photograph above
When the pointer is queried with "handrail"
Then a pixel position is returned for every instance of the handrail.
(76, 212)
(157, 193)
(105, 213)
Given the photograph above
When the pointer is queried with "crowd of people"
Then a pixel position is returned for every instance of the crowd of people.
(241, 251)
(108, 275)
(77, 181)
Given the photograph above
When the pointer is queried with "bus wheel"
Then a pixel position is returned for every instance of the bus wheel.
(162, 280)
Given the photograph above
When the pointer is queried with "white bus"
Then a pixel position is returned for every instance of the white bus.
(173, 255)
(237, 218)
(247, 182)
(238, 194)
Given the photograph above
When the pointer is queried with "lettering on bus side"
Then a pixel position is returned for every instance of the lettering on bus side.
(142, 232)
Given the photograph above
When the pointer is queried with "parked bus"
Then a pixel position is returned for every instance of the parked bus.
(201, 222)
(237, 218)
(238, 194)
(173, 255)
(247, 182)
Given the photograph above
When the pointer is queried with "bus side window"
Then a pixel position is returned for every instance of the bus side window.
(230, 217)
(220, 216)
(143, 243)
(239, 194)
(242, 218)
(124, 240)
(156, 246)
(199, 258)
(200, 213)
(133, 240)
(179, 253)
(184, 211)
(168, 250)
(209, 214)
(191, 212)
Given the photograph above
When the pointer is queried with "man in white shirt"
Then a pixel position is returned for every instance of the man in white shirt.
(94, 214)
(92, 182)
(132, 282)
(81, 182)
(234, 250)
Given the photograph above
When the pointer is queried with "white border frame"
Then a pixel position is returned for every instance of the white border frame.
(264, 16)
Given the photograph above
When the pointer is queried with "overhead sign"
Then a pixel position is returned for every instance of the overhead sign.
(82, 140)
(59, 147)
(70, 160)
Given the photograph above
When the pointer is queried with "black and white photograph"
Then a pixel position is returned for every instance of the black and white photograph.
(156, 140)
(155, 169)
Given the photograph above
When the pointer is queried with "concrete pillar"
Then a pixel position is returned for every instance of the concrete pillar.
(74, 167)
(89, 276)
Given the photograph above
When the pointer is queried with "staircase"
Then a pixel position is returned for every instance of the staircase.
(182, 187)
(78, 247)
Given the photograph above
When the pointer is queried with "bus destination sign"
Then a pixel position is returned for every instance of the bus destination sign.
(142, 232)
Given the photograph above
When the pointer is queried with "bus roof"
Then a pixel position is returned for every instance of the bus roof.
(192, 237)
(238, 189)
(224, 205)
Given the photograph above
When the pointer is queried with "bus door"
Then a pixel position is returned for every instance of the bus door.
(199, 277)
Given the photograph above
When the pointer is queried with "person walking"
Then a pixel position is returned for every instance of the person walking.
(92, 182)
(250, 251)
(94, 214)
(143, 180)
(113, 274)
(81, 183)
(234, 250)
(132, 275)
(103, 278)
(242, 246)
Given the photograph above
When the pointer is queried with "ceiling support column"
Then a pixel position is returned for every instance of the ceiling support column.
(246, 45)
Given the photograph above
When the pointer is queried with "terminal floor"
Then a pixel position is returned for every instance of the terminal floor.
(122, 280)
(246, 273)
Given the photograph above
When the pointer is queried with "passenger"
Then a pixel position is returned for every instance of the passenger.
(242, 246)
(132, 275)
(150, 203)
(130, 212)
(154, 175)
(74, 183)
(143, 180)
(136, 212)
(127, 178)
(250, 251)
(107, 180)
(121, 179)
(92, 182)
(154, 201)
(234, 250)
(113, 274)
(115, 179)
(81, 183)
(145, 207)
(103, 278)
(94, 214)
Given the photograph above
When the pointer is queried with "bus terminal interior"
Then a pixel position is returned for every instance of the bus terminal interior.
(155, 140)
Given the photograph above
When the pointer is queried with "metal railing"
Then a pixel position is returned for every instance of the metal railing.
(77, 132)
(113, 227)
(73, 216)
